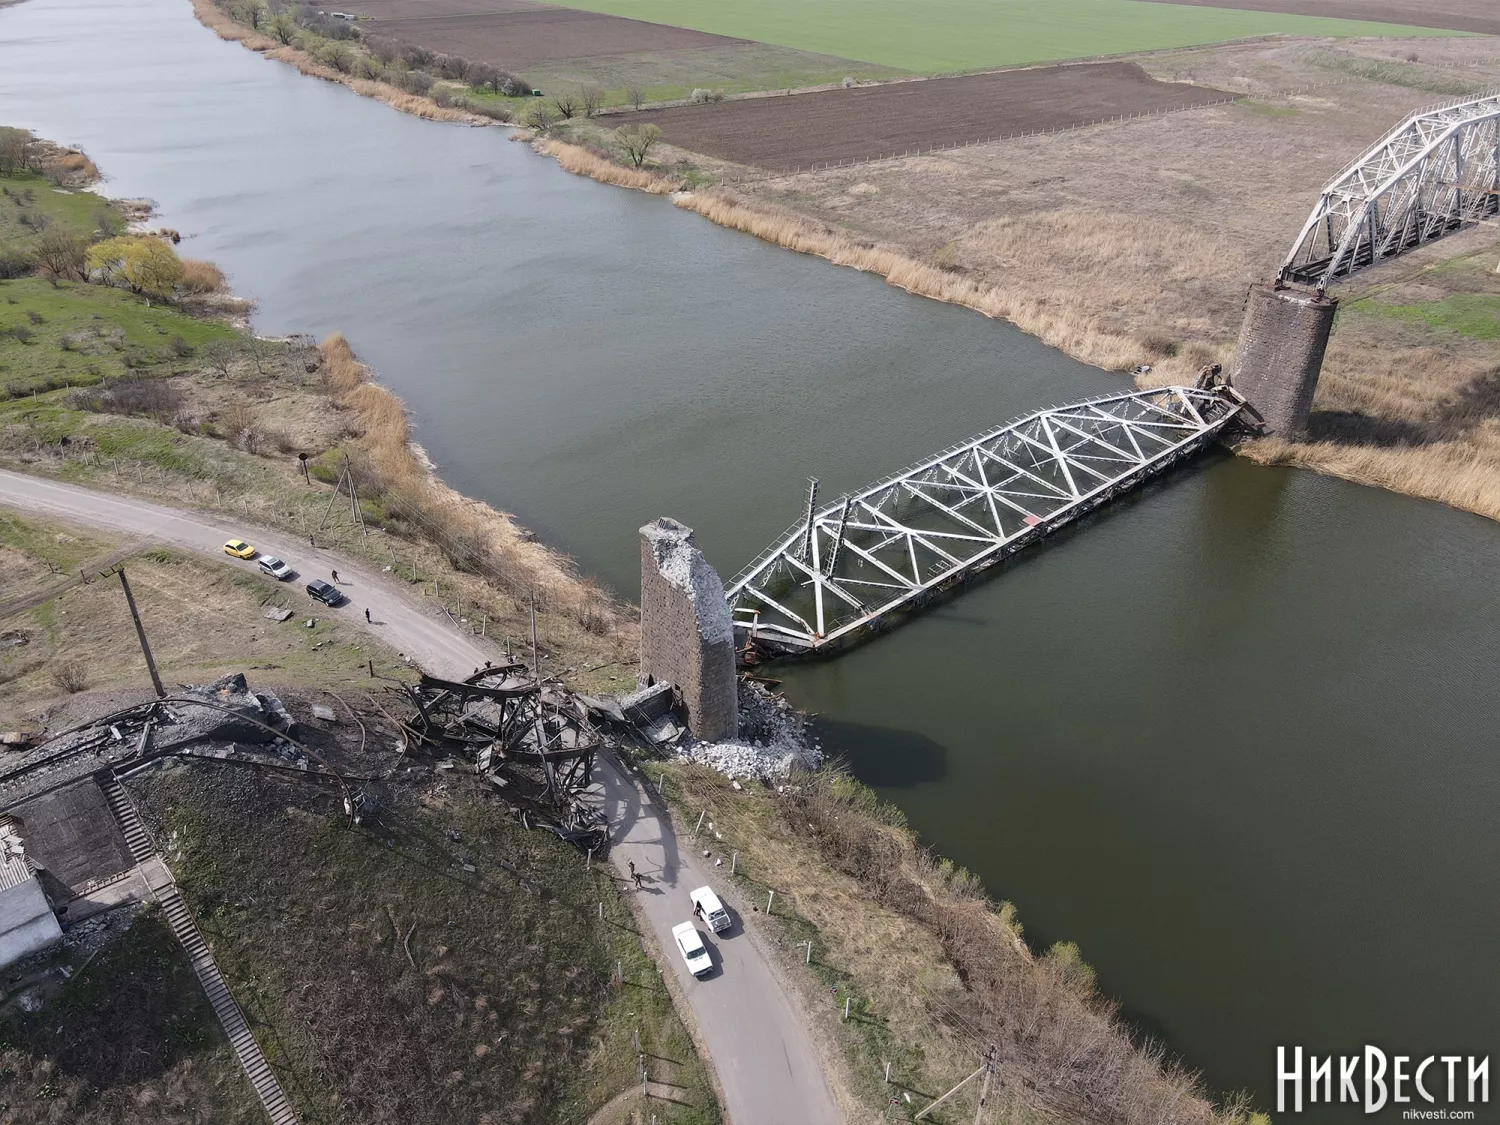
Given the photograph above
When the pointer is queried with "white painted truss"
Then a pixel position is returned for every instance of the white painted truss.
(849, 567)
(1437, 171)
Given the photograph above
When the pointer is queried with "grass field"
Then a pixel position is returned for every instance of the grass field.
(945, 35)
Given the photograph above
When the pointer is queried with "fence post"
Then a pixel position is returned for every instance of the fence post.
(734, 859)
(769, 899)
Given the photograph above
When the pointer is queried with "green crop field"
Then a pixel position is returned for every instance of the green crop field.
(934, 36)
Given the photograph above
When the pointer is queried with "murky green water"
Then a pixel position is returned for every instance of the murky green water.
(1234, 736)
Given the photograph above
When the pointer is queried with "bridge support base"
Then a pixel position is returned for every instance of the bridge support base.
(1280, 354)
(687, 637)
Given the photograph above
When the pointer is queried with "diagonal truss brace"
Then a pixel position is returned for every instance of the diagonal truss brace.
(844, 568)
(1437, 171)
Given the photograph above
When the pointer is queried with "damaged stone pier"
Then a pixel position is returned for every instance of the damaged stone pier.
(687, 637)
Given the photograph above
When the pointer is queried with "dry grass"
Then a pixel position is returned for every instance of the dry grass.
(474, 537)
(1070, 321)
(225, 28)
(934, 970)
(199, 276)
(580, 161)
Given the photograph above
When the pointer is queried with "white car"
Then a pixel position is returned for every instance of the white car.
(694, 952)
(708, 907)
(275, 567)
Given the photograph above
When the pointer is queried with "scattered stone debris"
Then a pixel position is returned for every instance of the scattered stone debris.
(324, 713)
(773, 740)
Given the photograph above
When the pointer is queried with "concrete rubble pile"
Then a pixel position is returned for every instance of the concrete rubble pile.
(773, 740)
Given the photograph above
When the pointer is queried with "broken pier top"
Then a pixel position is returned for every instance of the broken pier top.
(687, 635)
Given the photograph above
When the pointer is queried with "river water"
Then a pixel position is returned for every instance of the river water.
(1234, 736)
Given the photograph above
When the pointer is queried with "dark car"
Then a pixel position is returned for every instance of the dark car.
(325, 593)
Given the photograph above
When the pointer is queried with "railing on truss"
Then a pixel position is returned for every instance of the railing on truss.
(844, 568)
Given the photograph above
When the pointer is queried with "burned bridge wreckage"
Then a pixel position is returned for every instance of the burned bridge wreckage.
(532, 739)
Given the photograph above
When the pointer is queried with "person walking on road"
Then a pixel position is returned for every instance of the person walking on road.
(367, 615)
(639, 879)
(335, 575)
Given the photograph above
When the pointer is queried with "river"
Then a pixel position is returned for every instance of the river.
(1234, 736)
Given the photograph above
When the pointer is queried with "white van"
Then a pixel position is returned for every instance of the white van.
(710, 909)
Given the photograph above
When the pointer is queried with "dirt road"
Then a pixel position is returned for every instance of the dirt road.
(747, 1021)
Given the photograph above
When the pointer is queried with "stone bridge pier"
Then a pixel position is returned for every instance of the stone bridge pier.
(1280, 353)
(687, 636)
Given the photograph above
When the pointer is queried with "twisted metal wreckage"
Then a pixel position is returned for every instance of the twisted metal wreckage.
(527, 736)
(1437, 171)
(853, 566)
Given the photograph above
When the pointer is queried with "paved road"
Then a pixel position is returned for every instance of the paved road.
(756, 1037)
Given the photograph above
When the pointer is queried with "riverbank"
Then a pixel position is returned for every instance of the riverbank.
(933, 973)
(172, 398)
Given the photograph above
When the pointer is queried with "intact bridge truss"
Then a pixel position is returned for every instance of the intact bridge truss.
(853, 567)
(1437, 171)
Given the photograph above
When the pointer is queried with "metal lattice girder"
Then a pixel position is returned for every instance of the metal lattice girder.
(1437, 171)
(882, 550)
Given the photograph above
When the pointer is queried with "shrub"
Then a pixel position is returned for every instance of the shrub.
(15, 151)
(416, 82)
(451, 67)
(72, 676)
(848, 82)
(418, 58)
(18, 332)
(495, 112)
(179, 347)
(146, 398)
(699, 95)
(15, 262)
(443, 95)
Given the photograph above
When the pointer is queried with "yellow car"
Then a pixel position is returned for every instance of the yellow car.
(239, 549)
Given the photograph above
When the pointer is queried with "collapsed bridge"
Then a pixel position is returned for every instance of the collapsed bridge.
(853, 567)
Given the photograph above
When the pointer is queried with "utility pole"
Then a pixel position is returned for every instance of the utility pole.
(140, 632)
(984, 1087)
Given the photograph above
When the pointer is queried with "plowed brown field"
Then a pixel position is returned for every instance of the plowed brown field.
(783, 133)
(1482, 16)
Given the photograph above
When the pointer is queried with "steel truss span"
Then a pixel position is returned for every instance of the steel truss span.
(1437, 171)
(852, 567)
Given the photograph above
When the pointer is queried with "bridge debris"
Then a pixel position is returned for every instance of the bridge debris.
(854, 566)
(531, 739)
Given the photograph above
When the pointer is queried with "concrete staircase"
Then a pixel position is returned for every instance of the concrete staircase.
(231, 1018)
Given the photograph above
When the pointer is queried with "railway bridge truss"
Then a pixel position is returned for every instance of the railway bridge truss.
(1437, 171)
(855, 566)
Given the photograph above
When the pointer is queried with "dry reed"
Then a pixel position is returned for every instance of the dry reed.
(1067, 325)
(224, 27)
(199, 276)
(580, 161)
(474, 536)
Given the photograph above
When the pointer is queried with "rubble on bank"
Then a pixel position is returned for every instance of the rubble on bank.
(773, 740)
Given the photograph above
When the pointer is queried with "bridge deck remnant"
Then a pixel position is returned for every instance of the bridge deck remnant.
(1437, 171)
(850, 568)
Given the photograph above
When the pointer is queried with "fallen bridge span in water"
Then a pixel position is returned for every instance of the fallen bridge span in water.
(853, 567)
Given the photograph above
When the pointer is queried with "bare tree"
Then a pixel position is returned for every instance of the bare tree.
(386, 50)
(567, 103)
(636, 141)
(538, 116)
(220, 356)
(592, 98)
(635, 96)
(61, 254)
(15, 151)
